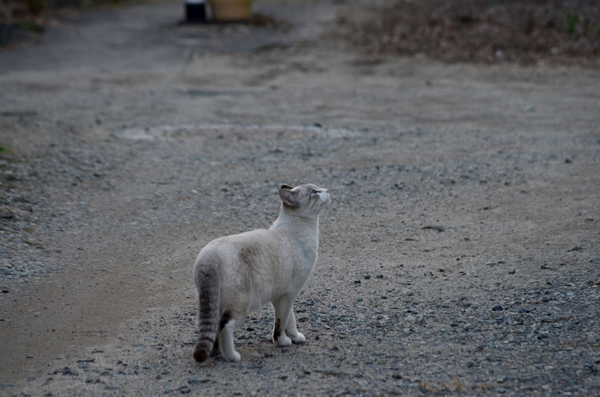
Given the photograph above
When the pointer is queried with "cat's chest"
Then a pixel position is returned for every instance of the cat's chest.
(308, 254)
(300, 251)
(307, 246)
(307, 257)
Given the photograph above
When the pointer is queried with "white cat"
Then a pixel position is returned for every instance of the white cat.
(238, 274)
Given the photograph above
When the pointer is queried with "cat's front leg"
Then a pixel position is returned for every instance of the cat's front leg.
(279, 336)
(292, 331)
(282, 309)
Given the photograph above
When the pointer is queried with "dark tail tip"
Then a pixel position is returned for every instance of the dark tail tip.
(200, 353)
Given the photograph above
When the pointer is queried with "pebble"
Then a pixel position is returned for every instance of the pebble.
(67, 371)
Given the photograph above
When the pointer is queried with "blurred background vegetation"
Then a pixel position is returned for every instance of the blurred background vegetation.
(490, 31)
(22, 20)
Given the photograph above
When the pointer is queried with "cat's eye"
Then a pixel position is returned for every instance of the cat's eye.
(314, 192)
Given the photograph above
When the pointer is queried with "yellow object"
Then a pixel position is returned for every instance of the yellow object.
(231, 10)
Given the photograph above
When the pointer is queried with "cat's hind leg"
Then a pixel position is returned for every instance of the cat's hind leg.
(227, 326)
(216, 347)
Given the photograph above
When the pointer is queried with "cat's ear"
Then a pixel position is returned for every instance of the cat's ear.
(288, 197)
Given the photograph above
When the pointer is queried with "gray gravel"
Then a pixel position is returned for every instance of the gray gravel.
(460, 254)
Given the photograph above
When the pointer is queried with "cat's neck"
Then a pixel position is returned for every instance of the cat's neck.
(303, 228)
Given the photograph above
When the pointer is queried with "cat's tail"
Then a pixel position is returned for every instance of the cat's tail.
(207, 276)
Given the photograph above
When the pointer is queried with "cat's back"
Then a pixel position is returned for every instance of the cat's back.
(244, 246)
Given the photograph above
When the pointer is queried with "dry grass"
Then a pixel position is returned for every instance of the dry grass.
(530, 31)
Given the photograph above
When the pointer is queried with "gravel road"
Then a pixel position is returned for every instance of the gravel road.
(460, 254)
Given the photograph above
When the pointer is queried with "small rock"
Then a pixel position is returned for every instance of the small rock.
(497, 308)
(66, 371)
(197, 381)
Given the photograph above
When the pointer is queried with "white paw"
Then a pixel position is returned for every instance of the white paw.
(235, 356)
(298, 338)
(284, 341)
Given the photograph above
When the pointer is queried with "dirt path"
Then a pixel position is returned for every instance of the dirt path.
(460, 254)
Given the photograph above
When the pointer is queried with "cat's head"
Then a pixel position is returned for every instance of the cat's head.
(304, 199)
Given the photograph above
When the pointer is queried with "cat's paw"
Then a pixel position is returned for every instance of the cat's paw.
(298, 338)
(284, 341)
(235, 356)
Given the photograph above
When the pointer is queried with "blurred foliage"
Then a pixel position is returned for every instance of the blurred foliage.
(572, 19)
(23, 20)
(19, 11)
(527, 31)
(31, 26)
